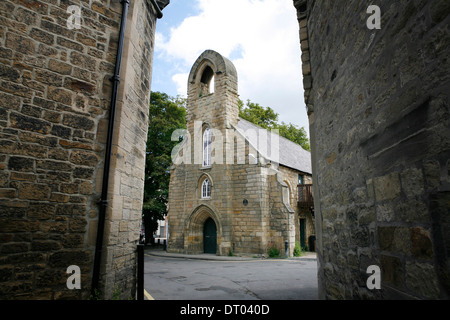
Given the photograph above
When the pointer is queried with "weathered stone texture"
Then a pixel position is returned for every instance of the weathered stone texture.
(52, 102)
(250, 202)
(378, 105)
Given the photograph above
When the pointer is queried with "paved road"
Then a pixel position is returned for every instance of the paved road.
(255, 279)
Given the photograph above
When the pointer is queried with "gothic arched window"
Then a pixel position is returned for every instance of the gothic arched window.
(207, 147)
(206, 189)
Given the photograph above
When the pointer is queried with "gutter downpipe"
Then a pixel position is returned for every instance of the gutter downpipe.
(159, 13)
(104, 197)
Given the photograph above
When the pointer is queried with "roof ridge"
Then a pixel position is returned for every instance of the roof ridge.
(275, 133)
(292, 155)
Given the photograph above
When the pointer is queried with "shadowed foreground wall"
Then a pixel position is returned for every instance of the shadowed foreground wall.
(378, 105)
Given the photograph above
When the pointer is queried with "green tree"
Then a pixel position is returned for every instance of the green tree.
(267, 118)
(264, 117)
(294, 133)
(166, 114)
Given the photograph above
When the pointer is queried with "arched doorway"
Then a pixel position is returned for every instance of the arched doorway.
(210, 236)
(203, 221)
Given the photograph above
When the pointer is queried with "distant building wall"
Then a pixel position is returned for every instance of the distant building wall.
(55, 93)
(378, 106)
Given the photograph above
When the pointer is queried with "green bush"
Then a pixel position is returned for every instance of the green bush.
(116, 293)
(297, 249)
(274, 252)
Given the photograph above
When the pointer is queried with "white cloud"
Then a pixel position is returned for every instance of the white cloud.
(259, 36)
(181, 80)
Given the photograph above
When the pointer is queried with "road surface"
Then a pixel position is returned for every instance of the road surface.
(254, 279)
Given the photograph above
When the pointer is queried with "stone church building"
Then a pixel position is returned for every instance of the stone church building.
(234, 187)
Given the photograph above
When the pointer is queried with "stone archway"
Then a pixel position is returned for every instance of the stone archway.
(194, 231)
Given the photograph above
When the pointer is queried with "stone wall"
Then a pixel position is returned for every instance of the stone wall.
(250, 222)
(378, 105)
(264, 221)
(126, 185)
(55, 92)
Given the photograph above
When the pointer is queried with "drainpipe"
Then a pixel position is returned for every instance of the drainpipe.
(104, 197)
(159, 13)
(112, 110)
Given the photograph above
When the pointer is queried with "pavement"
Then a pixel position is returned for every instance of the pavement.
(310, 256)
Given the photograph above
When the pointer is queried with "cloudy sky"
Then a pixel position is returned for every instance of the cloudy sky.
(260, 37)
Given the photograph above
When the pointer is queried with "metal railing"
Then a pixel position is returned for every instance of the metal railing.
(305, 195)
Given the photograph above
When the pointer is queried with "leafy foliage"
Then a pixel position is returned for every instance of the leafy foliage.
(297, 249)
(267, 118)
(294, 133)
(264, 117)
(273, 252)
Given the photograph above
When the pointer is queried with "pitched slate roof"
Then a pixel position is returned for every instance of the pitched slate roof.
(290, 154)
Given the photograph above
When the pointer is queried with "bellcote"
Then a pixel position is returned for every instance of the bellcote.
(213, 91)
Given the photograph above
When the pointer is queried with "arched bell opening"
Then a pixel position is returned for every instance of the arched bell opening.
(207, 81)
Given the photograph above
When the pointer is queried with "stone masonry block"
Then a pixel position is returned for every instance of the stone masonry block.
(412, 182)
(387, 187)
(394, 239)
(421, 278)
(21, 164)
(34, 191)
(19, 43)
(392, 271)
(23, 122)
(421, 244)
